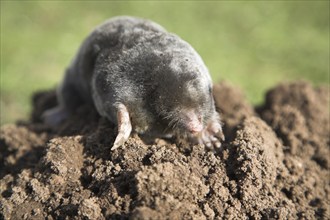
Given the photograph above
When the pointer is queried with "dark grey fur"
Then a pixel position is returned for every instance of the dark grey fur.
(135, 62)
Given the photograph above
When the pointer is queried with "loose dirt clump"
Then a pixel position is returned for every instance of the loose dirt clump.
(274, 164)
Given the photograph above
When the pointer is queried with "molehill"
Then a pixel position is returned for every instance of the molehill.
(274, 164)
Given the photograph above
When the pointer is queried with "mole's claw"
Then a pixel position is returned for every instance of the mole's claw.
(220, 135)
(217, 144)
(120, 140)
(124, 126)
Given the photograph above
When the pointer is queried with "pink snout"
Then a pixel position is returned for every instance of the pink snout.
(193, 122)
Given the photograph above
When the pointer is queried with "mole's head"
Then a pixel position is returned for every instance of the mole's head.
(183, 98)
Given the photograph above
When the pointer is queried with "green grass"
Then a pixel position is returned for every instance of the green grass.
(253, 45)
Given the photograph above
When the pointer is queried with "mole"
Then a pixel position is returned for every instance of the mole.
(144, 80)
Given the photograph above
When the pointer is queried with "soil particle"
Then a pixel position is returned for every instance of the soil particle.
(273, 165)
(89, 209)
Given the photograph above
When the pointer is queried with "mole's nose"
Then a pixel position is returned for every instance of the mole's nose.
(194, 127)
(194, 122)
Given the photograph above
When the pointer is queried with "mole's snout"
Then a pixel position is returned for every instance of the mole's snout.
(193, 122)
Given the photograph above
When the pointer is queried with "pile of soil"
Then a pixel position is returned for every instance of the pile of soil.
(274, 164)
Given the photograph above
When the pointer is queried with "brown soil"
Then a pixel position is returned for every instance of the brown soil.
(275, 164)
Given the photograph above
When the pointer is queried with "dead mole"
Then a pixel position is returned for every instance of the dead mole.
(141, 78)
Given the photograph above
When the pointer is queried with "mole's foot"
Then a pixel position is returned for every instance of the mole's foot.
(124, 126)
(211, 136)
(55, 116)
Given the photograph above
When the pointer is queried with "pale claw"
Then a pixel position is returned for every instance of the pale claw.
(124, 126)
(220, 135)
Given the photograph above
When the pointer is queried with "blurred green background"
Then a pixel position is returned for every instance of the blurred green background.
(253, 45)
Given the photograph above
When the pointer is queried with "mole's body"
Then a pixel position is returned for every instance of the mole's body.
(143, 78)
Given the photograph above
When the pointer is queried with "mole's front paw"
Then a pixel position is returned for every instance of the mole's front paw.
(53, 117)
(212, 136)
(124, 126)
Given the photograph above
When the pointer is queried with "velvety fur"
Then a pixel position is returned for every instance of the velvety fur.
(135, 62)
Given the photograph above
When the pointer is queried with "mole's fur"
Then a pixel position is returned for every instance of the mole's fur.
(141, 78)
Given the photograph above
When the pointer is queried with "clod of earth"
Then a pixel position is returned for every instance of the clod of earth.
(274, 164)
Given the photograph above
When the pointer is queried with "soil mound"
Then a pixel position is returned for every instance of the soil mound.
(274, 164)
